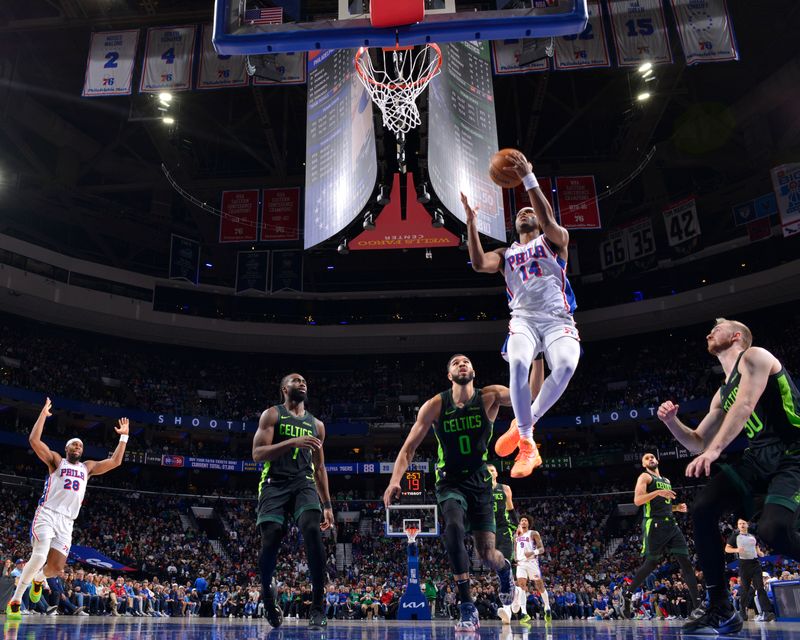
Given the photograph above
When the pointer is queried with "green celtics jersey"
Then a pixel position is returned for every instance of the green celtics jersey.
(463, 434)
(501, 519)
(296, 462)
(658, 507)
(776, 418)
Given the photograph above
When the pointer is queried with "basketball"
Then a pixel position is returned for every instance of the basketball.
(498, 175)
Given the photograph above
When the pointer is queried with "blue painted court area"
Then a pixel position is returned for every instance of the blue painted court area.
(48, 628)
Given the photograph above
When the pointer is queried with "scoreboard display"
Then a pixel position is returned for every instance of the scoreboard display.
(412, 486)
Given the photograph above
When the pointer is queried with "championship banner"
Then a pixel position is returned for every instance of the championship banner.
(217, 71)
(640, 32)
(577, 202)
(184, 259)
(517, 198)
(109, 67)
(287, 271)
(280, 214)
(239, 221)
(168, 59)
(280, 68)
(520, 56)
(786, 183)
(252, 271)
(585, 50)
(706, 31)
(93, 557)
(681, 221)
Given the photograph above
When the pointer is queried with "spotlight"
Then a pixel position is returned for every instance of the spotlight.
(423, 196)
(645, 67)
(438, 220)
(383, 195)
(165, 97)
(369, 222)
(342, 248)
(643, 96)
(168, 120)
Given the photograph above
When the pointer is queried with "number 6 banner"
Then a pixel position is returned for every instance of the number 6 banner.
(109, 68)
(168, 58)
(640, 33)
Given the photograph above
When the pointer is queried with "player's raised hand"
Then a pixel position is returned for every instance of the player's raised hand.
(680, 508)
(47, 409)
(518, 164)
(472, 214)
(308, 442)
(391, 494)
(667, 412)
(123, 427)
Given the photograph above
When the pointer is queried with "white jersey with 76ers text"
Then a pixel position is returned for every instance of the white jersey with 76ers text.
(65, 488)
(536, 280)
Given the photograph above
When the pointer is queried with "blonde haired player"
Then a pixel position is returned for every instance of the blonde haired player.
(528, 547)
(64, 489)
(541, 302)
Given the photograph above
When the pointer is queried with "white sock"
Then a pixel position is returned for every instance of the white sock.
(520, 355)
(562, 357)
(523, 602)
(40, 577)
(545, 599)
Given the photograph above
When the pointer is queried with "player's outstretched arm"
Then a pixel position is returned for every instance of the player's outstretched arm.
(44, 453)
(428, 412)
(99, 467)
(321, 478)
(754, 368)
(553, 231)
(695, 440)
(642, 496)
(482, 262)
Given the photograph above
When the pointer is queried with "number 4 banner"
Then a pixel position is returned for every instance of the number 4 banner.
(681, 221)
(640, 33)
(109, 68)
(168, 58)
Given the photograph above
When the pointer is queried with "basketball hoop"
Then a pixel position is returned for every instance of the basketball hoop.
(405, 73)
(411, 533)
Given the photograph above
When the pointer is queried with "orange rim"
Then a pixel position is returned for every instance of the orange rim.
(405, 85)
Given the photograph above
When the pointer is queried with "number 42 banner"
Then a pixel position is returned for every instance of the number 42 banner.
(168, 59)
(109, 68)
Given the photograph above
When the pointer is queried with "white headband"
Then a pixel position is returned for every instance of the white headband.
(72, 441)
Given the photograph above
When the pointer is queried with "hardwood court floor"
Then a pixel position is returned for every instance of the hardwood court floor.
(68, 628)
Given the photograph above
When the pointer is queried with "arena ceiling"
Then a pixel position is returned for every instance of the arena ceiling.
(83, 176)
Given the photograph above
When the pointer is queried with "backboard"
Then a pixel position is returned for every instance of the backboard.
(424, 517)
(243, 27)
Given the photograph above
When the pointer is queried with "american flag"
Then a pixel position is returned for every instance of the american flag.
(273, 15)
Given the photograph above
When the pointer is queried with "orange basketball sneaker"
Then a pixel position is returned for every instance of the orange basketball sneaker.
(508, 442)
(527, 460)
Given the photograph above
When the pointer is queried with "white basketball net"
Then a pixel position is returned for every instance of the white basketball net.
(405, 74)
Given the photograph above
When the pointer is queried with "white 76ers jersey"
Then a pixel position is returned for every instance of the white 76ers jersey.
(65, 488)
(536, 280)
(524, 544)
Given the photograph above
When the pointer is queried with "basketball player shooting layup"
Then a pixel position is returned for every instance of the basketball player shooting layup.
(541, 302)
(462, 419)
(64, 488)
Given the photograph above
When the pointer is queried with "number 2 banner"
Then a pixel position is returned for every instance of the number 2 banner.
(168, 59)
(706, 30)
(640, 33)
(585, 50)
(109, 68)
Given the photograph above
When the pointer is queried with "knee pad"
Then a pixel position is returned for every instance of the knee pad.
(271, 534)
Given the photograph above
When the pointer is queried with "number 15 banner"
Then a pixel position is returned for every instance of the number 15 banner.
(109, 68)
(168, 58)
(640, 33)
